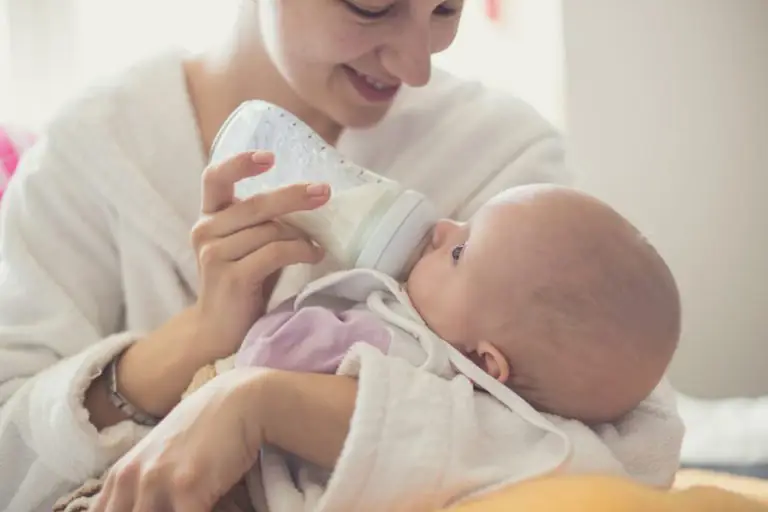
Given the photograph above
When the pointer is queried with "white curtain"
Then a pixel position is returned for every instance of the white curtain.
(37, 52)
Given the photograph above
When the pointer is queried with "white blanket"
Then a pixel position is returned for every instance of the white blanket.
(725, 432)
(421, 441)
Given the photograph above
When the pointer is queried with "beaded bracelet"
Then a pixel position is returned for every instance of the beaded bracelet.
(118, 400)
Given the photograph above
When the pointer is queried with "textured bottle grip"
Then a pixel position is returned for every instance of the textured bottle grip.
(301, 155)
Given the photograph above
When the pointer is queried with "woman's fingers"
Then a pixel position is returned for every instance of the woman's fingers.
(186, 502)
(153, 490)
(259, 209)
(149, 490)
(246, 241)
(259, 265)
(219, 180)
(117, 494)
(278, 202)
(103, 497)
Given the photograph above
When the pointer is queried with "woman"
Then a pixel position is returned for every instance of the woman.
(106, 308)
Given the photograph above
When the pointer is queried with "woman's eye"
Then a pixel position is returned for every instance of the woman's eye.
(444, 10)
(456, 253)
(367, 13)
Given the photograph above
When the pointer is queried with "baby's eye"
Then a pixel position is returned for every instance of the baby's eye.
(456, 253)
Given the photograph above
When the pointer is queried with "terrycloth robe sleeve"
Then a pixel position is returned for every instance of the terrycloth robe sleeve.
(420, 442)
(59, 326)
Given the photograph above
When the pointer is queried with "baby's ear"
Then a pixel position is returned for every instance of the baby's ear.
(492, 361)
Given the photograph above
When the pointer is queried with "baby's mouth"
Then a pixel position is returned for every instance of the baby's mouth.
(419, 251)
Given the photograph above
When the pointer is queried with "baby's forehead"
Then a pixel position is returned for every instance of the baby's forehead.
(541, 213)
(520, 238)
(499, 225)
(496, 252)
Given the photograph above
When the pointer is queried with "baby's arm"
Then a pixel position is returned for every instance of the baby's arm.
(313, 339)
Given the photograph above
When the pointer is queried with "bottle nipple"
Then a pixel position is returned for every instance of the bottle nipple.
(398, 238)
(416, 255)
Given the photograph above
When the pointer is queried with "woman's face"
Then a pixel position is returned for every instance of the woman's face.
(347, 58)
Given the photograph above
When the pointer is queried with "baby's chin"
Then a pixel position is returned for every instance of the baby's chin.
(406, 287)
(410, 287)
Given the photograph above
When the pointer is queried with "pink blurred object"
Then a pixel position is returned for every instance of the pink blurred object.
(13, 142)
(493, 9)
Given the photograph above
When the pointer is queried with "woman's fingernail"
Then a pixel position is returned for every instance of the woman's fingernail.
(318, 190)
(261, 159)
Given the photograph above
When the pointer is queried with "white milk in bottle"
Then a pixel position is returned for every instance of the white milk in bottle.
(369, 222)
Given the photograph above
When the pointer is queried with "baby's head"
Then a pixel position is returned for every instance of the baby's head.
(555, 294)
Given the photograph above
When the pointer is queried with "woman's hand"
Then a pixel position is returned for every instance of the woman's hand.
(241, 248)
(195, 455)
(202, 449)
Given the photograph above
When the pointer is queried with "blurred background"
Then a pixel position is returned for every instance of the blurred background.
(664, 104)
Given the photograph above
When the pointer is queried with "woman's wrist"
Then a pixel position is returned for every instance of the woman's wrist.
(302, 413)
(150, 374)
(102, 412)
(153, 373)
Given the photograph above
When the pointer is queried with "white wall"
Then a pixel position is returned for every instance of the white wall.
(521, 52)
(667, 112)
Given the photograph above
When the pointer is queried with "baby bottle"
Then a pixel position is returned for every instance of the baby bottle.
(369, 222)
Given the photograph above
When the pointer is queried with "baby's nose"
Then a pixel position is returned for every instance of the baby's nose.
(442, 231)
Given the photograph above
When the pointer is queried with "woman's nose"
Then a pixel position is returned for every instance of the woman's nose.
(408, 56)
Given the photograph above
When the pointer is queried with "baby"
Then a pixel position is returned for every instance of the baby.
(547, 290)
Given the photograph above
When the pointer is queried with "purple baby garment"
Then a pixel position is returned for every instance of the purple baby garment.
(312, 339)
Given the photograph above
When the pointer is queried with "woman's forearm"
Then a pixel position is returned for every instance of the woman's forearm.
(306, 414)
(152, 374)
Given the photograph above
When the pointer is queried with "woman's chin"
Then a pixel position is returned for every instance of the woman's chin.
(359, 117)
(352, 110)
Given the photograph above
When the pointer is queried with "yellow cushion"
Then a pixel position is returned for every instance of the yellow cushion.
(754, 487)
(593, 493)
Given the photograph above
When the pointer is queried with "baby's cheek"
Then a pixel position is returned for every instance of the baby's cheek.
(446, 316)
(420, 295)
(415, 284)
